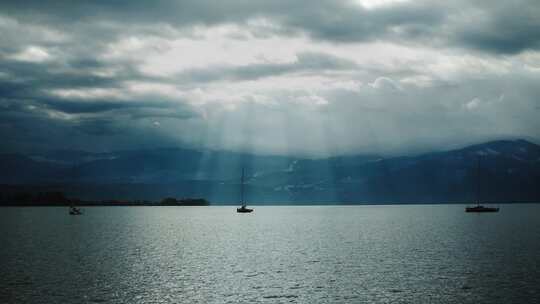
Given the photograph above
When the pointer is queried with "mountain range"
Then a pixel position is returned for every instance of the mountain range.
(502, 171)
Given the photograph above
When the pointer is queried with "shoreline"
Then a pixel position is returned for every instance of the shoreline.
(130, 204)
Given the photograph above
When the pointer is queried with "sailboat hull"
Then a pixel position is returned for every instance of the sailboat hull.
(481, 209)
(243, 210)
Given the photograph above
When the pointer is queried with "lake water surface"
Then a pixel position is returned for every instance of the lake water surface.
(326, 254)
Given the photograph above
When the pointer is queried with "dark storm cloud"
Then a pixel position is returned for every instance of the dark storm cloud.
(348, 22)
(28, 82)
(31, 118)
(26, 130)
(493, 26)
(27, 125)
(141, 107)
(69, 73)
(504, 27)
(99, 106)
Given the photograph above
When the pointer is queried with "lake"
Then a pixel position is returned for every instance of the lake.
(285, 254)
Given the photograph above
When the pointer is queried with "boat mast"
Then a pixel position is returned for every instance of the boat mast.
(242, 190)
(478, 180)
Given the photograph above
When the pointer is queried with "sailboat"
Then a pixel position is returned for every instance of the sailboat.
(243, 208)
(478, 207)
(74, 210)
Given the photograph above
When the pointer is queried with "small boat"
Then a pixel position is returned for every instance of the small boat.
(243, 208)
(74, 211)
(478, 207)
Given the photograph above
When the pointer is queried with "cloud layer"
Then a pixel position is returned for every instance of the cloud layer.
(285, 77)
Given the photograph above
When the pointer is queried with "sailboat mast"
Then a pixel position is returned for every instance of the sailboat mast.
(478, 180)
(242, 189)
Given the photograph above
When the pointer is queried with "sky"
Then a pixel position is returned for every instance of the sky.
(312, 78)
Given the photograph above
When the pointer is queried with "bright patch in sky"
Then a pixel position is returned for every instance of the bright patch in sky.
(372, 4)
(32, 54)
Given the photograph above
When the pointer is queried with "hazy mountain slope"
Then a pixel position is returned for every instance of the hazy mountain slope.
(509, 171)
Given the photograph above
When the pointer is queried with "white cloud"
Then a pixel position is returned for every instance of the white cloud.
(473, 104)
(206, 46)
(421, 81)
(347, 85)
(312, 100)
(88, 93)
(385, 83)
(373, 4)
(32, 54)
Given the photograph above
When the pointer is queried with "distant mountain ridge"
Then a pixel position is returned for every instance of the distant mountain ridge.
(510, 171)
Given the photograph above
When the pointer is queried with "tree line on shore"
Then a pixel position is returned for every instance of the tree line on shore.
(58, 198)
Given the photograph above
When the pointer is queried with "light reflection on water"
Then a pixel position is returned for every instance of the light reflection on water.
(327, 254)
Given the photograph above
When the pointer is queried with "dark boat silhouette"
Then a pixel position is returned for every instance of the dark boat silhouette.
(243, 208)
(479, 207)
(74, 211)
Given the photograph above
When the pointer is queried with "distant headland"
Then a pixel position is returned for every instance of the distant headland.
(59, 199)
